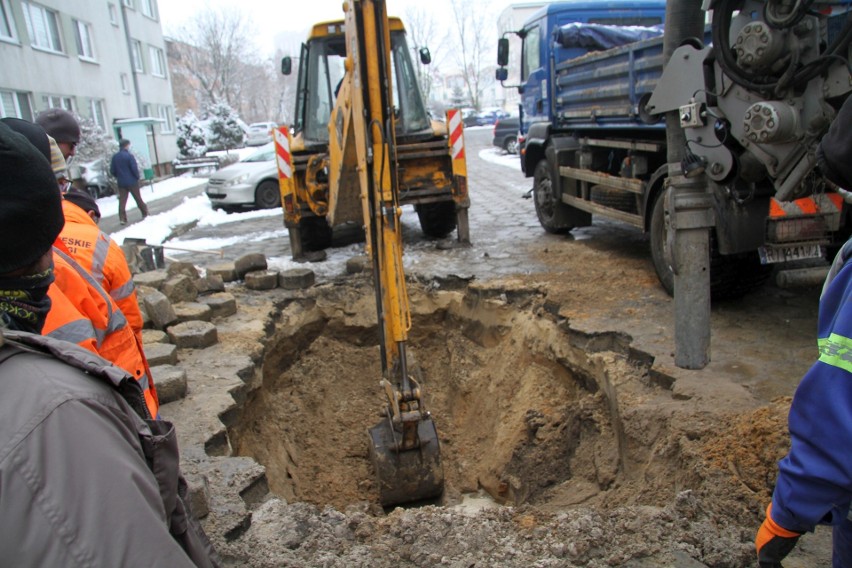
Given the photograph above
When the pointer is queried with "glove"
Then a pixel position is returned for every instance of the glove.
(773, 542)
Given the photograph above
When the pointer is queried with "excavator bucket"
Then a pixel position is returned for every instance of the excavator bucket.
(411, 475)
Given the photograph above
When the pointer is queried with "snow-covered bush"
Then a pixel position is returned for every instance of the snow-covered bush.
(225, 129)
(190, 136)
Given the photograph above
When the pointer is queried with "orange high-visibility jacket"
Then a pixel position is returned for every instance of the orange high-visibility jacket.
(101, 256)
(83, 313)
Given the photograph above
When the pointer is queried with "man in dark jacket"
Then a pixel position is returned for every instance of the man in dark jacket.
(87, 478)
(814, 484)
(123, 166)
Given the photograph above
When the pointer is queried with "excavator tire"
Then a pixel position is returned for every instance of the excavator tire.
(437, 220)
(315, 232)
(410, 475)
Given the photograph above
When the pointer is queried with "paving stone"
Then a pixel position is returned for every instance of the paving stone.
(193, 334)
(250, 263)
(358, 264)
(154, 336)
(184, 268)
(170, 382)
(199, 495)
(180, 288)
(297, 279)
(188, 311)
(261, 279)
(146, 319)
(159, 309)
(209, 284)
(160, 354)
(153, 279)
(225, 270)
(143, 290)
(222, 304)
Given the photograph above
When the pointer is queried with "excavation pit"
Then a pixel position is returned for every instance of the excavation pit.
(527, 409)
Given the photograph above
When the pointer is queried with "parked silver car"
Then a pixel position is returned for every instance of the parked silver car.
(259, 133)
(250, 183)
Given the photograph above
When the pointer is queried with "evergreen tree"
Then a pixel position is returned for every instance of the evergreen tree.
(190, 136)
(225, 129)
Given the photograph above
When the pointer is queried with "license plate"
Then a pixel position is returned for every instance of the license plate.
(771, 255)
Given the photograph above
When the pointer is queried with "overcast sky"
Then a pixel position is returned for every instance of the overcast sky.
(274, 17)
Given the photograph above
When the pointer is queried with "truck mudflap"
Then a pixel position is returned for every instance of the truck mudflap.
(800, 229)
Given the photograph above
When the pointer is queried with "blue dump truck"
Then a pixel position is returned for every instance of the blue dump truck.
(594, 92)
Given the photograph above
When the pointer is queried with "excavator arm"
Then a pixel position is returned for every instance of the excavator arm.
(404, 445)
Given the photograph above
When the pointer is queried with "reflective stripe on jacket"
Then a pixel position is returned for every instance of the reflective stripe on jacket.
(110, 335)
(101, 256)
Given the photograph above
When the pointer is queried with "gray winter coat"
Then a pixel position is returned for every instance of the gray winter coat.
(75, 487)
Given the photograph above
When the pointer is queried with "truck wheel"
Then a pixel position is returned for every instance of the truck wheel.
(315, 232)
(658, 242)
(267, 196)
(548, 210)
(437, 220)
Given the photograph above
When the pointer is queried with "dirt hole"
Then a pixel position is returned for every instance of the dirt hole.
(526, 409)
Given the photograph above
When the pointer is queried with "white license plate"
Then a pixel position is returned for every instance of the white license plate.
(771, 255)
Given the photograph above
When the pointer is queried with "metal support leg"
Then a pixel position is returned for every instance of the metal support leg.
(463, 225)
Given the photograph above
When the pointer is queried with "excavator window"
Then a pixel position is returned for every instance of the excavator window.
(325, 71)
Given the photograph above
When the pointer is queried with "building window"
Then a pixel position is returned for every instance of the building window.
(138, 66)
(85, 46)
(7, 22)
(146, 110)
(58, 101)
(113, 14)
(96, 106)
(128, 3)
(165, 113)
(149, 8)
(16, 104)
(125, 83)
(158, 61)
(43, 27)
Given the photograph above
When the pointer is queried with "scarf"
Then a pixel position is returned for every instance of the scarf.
(24, 302)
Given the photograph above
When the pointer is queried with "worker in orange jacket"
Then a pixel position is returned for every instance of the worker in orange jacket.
(101, 256)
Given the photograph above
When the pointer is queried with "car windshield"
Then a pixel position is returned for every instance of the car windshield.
(265, 154)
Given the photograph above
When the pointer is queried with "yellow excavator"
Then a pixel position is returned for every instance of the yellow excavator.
(363, 154)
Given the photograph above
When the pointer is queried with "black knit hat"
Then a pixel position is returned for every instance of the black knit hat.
(33, 132)
(60, 124)
(834, 154)
(30, 205)
(83, 200)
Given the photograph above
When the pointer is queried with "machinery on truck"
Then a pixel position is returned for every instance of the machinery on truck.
(431, 168)
(365, 165)
(754, 97)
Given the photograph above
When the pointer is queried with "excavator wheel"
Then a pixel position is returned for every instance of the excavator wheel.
(410, 475)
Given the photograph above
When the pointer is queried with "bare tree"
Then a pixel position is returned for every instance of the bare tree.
(422, 32)
(474, 28)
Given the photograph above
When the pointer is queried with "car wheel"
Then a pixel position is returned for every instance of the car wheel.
(267, 195)
(94, 191)
(511, 145)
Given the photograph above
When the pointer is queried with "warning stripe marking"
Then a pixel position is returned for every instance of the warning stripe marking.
(454, 120)
(282, 153)
(826, 203)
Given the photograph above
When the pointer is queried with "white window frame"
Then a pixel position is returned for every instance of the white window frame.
(148, 8)
(158, 61)
(113, 14)
(8, 32)
(146, 110)
(43, 27)
(98, 110)
(85, 43)
(125, 83)
(59, 101)
(165, 112)
(128, 3)
(15, 111)
(138, 63)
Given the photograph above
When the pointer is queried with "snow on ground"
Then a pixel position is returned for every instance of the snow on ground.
(498, 156)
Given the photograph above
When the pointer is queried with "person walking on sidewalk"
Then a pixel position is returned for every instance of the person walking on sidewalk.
(123, 166)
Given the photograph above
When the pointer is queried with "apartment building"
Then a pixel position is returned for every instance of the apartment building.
(101, 59)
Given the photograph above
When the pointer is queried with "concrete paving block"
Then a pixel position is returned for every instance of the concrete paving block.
(199, 495)
(250, 263)
(188, 311)
(358, 264)
(180, 288)
(153, 279)
(170, 382)
(146, 319)
(225, 270)
(193, 334)
(159, 309)
(160, 354)
(154, 336)
(222, 304)
(297, 279)
(185, 268)
(209, 284)
(261, 279)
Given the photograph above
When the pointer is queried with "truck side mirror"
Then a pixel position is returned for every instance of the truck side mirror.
(503, 51)
(286, 65)
(502, 74)
(425, 56)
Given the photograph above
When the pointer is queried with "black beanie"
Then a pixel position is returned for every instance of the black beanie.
(33, 132)
(60, 124)
(834, 154)
(82, 199)
(30, 204)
